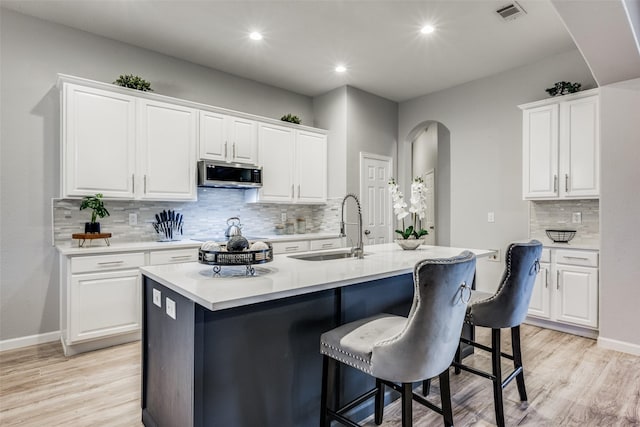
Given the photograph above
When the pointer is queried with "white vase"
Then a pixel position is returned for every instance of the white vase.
(409, 244)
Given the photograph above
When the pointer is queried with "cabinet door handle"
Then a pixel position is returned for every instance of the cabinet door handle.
(558, 279)
(566, 182)
(225, 150)
(546, 278)
(234, 151)
(145, 184)
(110, 262)
(298, 191)
(292, 192)
(555, 183)
(133, 183)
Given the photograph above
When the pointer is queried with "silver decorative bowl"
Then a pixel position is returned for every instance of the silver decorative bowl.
(409, 244)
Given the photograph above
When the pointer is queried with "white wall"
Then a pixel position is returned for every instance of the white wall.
(33, 52)
(485, 127)
(619, 214)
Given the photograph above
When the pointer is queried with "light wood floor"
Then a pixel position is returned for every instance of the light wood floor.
(570, 382)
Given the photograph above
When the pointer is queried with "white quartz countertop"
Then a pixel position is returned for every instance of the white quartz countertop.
(286, 277)
(99, 247)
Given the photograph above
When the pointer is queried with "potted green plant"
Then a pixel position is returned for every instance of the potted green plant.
(96, 204)
(133, 82)
(291, 119)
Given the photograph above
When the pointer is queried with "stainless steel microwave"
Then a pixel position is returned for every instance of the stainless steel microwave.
(228, 175)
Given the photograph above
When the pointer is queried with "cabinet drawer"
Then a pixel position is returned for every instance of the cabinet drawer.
(571, 257)
(107, 262)
(290, 247)
(546, 255)
(325, 244)
(173, 256)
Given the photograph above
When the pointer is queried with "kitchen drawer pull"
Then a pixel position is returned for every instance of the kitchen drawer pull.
(181, 257)
(291, 248)
(546, 278)
(576, 257)
(327, 245)
(566, 182)
(111, 262)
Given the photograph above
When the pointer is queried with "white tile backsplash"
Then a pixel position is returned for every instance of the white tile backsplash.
(552, 214)
(206, 217)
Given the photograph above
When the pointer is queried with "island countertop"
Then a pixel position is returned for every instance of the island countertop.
(286, 277)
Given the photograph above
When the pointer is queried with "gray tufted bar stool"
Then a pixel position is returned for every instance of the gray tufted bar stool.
(398, 351)
(507, 308)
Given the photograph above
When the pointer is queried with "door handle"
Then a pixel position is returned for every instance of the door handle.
(367, 232)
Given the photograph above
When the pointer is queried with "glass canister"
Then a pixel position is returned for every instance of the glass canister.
(289, 227)
(279, 228)
(301, 225)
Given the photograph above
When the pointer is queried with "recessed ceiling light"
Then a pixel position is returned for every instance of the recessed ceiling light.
(255, 36)
(341, 69)
(427, 29)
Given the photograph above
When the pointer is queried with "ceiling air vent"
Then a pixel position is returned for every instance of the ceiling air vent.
(511, 11)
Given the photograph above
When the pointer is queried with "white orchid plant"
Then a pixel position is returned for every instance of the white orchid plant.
(417, 211)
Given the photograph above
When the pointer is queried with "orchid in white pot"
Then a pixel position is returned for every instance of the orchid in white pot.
(417, 210)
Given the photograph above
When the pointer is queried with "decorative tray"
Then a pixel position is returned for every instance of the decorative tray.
(222, 257)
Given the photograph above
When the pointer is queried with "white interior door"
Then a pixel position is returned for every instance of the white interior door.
(430, 223)
(375, 172)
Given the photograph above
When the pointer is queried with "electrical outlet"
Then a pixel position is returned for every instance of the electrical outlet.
(495, 256)
(171, 308)
(67, 214)
(133, 219)
(157, 297)
(576, 218)
(283, 217)
(491, 217)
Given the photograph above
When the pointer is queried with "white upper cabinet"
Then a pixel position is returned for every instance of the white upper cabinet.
(276, 145)
(125, 146)
(98, 142)
(167, 145)
(561, 147)
(311, 167)
(294, 165)
(228, 139)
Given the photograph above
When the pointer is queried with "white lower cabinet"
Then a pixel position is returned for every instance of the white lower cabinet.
(101, 296)
(106, 303)
(566, 289)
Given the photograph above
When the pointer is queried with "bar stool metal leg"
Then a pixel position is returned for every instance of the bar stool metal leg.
(497, 374)
(517, 362)
(407, 404)
(328, 386)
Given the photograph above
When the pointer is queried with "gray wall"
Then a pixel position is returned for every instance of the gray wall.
(33, 52)
(372, 127)
(485, 128)
(619, 213)
(424, 151)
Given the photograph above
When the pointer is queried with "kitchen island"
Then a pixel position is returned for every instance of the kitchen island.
(231, 350)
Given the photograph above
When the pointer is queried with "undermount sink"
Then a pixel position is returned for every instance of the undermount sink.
(325, 256)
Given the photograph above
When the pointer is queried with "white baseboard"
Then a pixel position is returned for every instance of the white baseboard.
(625, 347)
(20, 342)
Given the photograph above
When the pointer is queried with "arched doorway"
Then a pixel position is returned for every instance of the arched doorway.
(427, 153)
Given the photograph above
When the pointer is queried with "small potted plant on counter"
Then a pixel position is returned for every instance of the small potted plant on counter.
(411, 235)
(98, 211)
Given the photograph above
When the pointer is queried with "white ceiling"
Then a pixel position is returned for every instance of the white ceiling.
(379, 41)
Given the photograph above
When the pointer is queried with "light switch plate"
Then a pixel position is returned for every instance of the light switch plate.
(491, 217)
(133, 219)
(171, 308)
(157, 297)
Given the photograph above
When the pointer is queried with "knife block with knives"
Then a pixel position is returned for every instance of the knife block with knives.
(168, 224)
